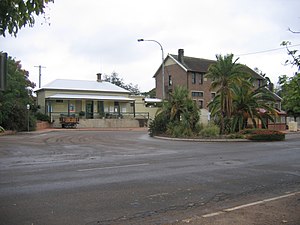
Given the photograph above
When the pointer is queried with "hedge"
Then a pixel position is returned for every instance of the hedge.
(263, 135)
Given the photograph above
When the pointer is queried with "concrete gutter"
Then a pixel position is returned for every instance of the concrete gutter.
(213, 139)
(203, 139)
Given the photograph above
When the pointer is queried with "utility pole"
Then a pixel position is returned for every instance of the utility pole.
(40, 74)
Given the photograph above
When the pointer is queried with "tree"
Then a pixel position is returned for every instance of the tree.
(13, 101)
(115, 79)
(15, 14)
(295, 59)
(151, 93)
(225, 74)
(290, 93)
(247, 102)
(178, 116)
(290, 86)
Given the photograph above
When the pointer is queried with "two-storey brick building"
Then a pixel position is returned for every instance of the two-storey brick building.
(189, 72)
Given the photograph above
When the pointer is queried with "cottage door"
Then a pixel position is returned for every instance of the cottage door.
(89, 109)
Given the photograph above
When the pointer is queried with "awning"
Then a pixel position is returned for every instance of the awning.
(152, 100)
(90, 97)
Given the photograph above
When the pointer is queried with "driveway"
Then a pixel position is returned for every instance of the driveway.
(126, 177)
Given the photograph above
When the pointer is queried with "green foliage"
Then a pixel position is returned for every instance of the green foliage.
(159, 124)
(81, 113)
(150, 94)
(13, 101)
(225, 74)
(211, 130)
(236, 136)
(116, 80)
(42, 117)
(263, 135)
(246, 102)
(290, 93)
(17, 13)
(237, 100)
(178, 117)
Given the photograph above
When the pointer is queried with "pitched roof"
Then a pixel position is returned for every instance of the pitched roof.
(83, 85)
(93, 97)
(195, 64)
(201, 65)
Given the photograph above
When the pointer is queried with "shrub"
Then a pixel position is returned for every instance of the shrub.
(236, 136)
(210, 130)
(42, 117)
(264, 135)
(158, 125)
(81, 113)
(178, 129)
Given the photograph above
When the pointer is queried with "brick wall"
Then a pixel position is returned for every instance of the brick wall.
(182, 78)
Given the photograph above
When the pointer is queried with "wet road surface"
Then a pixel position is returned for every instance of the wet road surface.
(126, 177)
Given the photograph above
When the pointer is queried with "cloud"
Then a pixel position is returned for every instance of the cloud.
(85, 38)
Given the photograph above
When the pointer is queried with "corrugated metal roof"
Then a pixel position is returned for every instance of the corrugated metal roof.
(83, 85)
(91, 97)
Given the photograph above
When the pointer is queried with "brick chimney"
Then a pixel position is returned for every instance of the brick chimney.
(180, 55)
(99, 77)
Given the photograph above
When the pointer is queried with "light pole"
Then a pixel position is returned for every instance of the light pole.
(28, 108)
(163, 66)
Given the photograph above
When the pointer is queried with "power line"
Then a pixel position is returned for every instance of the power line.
(264, 51)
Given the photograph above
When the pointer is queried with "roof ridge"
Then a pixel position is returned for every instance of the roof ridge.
(195, 58)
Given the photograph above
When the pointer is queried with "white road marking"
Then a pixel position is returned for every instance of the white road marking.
(157, 195)
(213, 214)
(249, 204)
(239, 207)
(114, 167)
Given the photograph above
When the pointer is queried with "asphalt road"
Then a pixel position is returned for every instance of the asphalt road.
(125, 177)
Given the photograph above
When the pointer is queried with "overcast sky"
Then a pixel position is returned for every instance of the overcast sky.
(88, 37)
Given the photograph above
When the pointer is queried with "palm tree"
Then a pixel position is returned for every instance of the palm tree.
(179, 114)
(247, 104)
(177, 102)
(225, 74)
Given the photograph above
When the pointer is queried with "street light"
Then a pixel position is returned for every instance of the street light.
(28, 108)
(163, 66)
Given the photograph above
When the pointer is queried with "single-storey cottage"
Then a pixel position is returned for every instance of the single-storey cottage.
(96, 104)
